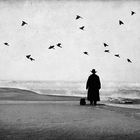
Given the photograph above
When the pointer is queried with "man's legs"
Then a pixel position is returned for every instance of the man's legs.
(91, 102)
(95, 102)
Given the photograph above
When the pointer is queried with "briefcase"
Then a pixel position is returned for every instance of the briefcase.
(82, 101)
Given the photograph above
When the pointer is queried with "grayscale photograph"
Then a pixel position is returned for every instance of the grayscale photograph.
(69, 70)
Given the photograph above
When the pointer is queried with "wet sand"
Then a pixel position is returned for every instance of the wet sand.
(25, 115)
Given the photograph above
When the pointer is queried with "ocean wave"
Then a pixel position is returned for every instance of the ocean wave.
(124, 100)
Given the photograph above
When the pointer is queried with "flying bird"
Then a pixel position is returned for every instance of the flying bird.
(78, 17)
(51, 47)
(117, 55)
(132, 13)
(32, 59)
(107, 51)
(82, 28)
(24, 23)
(85, 53)
(28, 56)
(105, 44)
(129, 60)
(59, 45)
(120, 22)
(6, 44)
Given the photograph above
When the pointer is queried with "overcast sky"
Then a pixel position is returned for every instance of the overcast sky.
(52, 22)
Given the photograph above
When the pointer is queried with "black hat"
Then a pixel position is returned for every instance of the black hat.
(93, 71)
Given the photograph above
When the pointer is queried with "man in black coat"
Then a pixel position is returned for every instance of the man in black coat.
(93, 86)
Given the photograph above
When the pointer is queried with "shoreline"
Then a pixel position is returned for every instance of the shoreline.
(19, 96)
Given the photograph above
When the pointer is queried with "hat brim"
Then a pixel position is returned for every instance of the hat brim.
(94, 71)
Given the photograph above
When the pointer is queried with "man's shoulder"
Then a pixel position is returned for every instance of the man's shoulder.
(93, 75)
(96, 76)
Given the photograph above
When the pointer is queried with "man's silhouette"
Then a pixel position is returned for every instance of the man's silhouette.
(93, 85)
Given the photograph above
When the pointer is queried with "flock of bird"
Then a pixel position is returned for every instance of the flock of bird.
(117, 55)
(81, 28)
(105, 44)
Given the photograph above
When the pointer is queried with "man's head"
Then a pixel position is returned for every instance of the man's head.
(93, 71)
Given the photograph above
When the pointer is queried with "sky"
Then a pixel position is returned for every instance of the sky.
(52, 22)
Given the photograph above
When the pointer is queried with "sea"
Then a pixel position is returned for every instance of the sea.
(115, 92)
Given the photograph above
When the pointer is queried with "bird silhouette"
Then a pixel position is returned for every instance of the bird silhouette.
(82, 28)
(117, 55)
(129, 60)
(85, 53)
(51, 47)
(120, 22)
(132, 13)
(78, 17)
(24, 23)
(105, 44)
(32, 59)
(59, 45)
(107, 51)
(6, 44)
(28, 56)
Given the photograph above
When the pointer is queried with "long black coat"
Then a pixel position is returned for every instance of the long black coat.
(93, 85)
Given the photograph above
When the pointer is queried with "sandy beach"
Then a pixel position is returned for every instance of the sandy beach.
(26, 115)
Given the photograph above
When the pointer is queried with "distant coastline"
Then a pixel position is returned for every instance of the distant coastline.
(16, 94)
